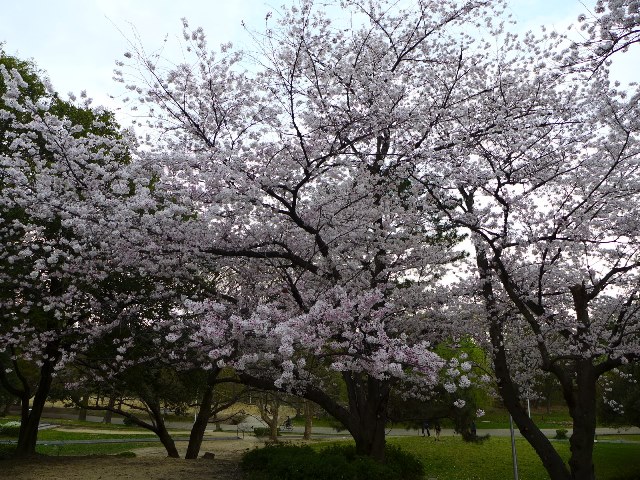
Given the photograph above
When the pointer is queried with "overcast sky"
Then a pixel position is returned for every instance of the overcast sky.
(77, 41)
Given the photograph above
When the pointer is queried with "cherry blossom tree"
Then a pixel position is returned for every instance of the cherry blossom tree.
(296, 169)
(331, 167)
(330, 171)
(612, 27)
(58, 162)
(155, 358)
(543, 171)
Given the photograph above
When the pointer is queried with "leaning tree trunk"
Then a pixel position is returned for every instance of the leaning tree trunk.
(30, 418)
(84, 402)
(202, 419)
(200, 425)
(167, 442)
(157, 425)
(551, 460)
(160, 428)
(508, 391)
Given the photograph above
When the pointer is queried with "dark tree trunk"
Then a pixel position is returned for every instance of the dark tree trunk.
(366, 415)
(160, 428)
(370, 438)
(30, 418)
(582, 408)
(551, 460)
(167, 442)
(157, 425)
(273, 427)
(577, 376)
(108, 414)
(269, 405)
(200, 425)
(581, 395)
(368, 402)
(308, 419)
(84, 402)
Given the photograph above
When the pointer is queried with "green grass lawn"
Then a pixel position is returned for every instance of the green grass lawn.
(453, 459)
(628, 438)
(85, 449)
(76, 423)
(499, 418)
(52, 435)
(92, 449)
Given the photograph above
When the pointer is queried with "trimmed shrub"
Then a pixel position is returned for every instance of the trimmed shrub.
(561, 434)
(288, 462)
(263, 431)
(128, 422)
(10, 429)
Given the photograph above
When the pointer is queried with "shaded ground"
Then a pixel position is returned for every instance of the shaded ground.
(150, 464)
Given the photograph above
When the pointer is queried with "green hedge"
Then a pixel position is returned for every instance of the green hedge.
(10, 429)
(337, 462)
(263, 431)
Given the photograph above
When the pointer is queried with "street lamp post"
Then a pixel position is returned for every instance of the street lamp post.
(514, 453)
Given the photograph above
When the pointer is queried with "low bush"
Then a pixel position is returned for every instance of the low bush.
(561, 434)
(128, 422)
(337, 426)
(263, 431)
(10, 429)
(288, 462)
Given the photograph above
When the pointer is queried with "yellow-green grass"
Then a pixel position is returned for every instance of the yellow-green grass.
(83, 449)
(66, 422)
(453, 459)
(499, 418)
(621, 436)
(92, 449)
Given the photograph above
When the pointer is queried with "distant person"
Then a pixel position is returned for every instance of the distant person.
(473, 429)
(287, 422)
(438, 430)
(425, 428)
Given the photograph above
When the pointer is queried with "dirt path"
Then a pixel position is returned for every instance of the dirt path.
(150, 464)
